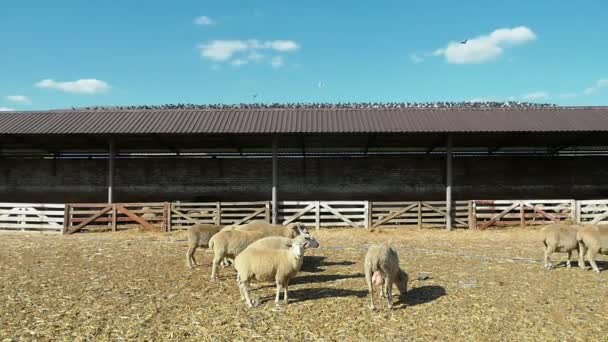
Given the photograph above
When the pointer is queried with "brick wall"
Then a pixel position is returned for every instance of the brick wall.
(354, 178)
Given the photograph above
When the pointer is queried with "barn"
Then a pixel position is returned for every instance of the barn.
(302, 154)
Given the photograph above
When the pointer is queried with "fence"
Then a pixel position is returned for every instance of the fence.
(476, 214)
(418, 213)
(31, 217)
(521, 212)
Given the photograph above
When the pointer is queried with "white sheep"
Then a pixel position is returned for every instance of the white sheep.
(264, 264)
(268, 229)
(199, 236)
(229, 243)
(381, 268)
(279, 242)
(559, 238)
(593, 239)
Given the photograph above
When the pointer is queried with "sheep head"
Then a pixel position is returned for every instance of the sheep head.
(297, 248)
(401, 281)
(298, 229)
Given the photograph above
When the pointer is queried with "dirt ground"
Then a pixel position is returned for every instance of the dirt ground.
(135, 286)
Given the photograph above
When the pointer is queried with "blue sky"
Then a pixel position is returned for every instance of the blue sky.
(63, 53)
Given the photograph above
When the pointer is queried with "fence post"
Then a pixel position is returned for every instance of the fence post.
(576, 211)
(522, 213)
(317, 215)
(114, 218)
(267, 211)
(218, 213)
(472, 215)
(367, 215)
(419, 215)
(66, 218)
(167, 216)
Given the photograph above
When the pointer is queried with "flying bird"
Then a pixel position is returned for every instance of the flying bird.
(464, 41)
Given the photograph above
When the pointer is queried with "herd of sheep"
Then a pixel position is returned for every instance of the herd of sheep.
(265, 252)
(583, 239)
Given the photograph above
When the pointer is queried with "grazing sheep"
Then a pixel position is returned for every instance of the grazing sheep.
(559, 238)
(265, 264)
(198, 236)
(381, 267)
(594, 240)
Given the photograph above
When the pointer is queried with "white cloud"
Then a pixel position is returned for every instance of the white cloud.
(244, 50)
(204, 21)
(82, 86)
(485, 48)
(5, 109)
(277, 62)
(597, 86)
(19, 99)
(537, 95)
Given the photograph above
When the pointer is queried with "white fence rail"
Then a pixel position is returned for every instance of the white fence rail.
(476, 214)
(32, 217)
(592, 211)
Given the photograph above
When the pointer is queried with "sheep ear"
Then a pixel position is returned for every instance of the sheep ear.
(289, 245)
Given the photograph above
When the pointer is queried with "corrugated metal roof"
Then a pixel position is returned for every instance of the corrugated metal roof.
(304, 120)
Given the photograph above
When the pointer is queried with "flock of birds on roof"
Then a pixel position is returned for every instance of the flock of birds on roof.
(344, 105)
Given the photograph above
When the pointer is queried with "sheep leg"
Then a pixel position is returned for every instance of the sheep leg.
(581, 256)
(216, 261)
(278, 296)
(370, 288)
(190, 256)
(568, 265)
(591, 256)
(388, 284)
(285, 287)
(243, 286)
(548, 251)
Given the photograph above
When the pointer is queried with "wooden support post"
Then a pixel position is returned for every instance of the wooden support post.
(448, 185)
(166, 224)
(522, 214)
(275, 178)
(317, 215)
(267, 212)
(218, 213)
(368, 214)
(472, 215)
(66, 218)
(114, 218)
(111, 172)
(419, 215)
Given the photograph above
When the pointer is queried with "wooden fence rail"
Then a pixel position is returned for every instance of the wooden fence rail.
(421, 214)
(476, 214)
(32, 216)
(521, 212)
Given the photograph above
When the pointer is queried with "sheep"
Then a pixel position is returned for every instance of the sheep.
(198, 236)
(289, 231)
(147, 214)
(559, 237)
(279, 242)
(593, 239)
(265, 264)
(381, 268)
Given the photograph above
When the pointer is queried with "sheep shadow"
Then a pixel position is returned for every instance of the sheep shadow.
(602, 265)
(321, 278)
(313, 264)
(423, 294)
